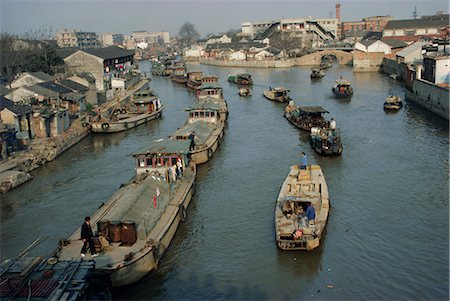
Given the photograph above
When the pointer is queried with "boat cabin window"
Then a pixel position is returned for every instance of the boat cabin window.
(213, 114)
(207, 114)
(202, 114)
(195, 114)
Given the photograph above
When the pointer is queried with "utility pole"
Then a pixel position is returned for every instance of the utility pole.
(415, 12)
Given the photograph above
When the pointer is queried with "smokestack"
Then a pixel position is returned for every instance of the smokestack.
(338, 12)
(338, 17)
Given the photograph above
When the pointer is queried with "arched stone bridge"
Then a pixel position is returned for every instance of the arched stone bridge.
(343, 57)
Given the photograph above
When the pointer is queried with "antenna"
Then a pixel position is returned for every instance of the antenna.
(415, 12)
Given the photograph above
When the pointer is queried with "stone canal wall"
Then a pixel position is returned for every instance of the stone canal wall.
(249, 64)
(430, 96)
(367, 61)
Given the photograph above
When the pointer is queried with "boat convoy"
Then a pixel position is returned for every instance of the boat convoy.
(136, 225)
(134, 228)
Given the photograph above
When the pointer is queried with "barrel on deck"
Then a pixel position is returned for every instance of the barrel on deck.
(102, 227)
(115, 231)
(129, 235)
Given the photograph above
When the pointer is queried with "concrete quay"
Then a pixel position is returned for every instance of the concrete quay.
(14, 171)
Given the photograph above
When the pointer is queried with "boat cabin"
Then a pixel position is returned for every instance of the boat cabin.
(203, 111)
(210, 79)
(279, 92)
(211, 90)
(179, 71)
(161, 155)
(244, 79)
(194, 75)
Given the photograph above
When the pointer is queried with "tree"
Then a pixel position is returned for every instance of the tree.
(13, 55)
(188, 34)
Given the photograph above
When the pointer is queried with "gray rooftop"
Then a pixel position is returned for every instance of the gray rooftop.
(416, 23)
(312, 109)
(203, 105)
(16, 109)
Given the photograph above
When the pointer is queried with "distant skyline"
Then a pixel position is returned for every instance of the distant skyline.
(213, 16)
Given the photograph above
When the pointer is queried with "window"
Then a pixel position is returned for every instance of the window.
(202, 114)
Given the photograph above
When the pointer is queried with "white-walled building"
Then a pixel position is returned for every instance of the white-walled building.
(373, 46)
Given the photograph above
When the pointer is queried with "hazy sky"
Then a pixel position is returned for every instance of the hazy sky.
(213, 16)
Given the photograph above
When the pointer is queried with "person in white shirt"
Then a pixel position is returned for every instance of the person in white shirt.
(333, 124)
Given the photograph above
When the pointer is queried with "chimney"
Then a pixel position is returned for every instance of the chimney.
(338, 12)
(338, 17)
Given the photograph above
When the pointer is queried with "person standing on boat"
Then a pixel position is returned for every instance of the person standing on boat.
(303, 161)
(192, 138)
(333, 124)
(88, 238)
(310, 213)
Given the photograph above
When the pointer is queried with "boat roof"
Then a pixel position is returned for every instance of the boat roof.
(165, 147)
(343, 82)
(244, 75)
(210, 76)
(280, 89)
(209, 86)
(203, 105)
(312, 109)
(146, 100)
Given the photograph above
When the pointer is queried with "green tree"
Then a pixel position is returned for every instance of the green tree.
(188, 34)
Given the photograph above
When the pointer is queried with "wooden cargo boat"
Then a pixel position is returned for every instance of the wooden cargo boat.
(143, 107)
(241, 79)
(245, 91)
(316, 72)
(158, 68)
(326, 141)
(392, 103)
(39, 278)
(210, 79)
(179, 72)
(142, 217)
(207, 124)
(194, 79)
(300, 188)
(305, 118)
(213, 93)
(342, 88)
(277, 94)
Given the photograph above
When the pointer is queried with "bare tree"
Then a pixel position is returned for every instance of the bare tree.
(188, 34)
(13, 55)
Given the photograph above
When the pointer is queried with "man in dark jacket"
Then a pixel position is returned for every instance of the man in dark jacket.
(87, 237)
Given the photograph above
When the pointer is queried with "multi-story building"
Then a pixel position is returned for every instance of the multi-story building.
(109, 39)
(358, 29)
(151, 37)
(415, 29)
(76, 38)
(253, 28)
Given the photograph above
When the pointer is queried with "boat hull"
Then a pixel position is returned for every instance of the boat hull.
(125, 124)
(148, 261)
(281, 99)
(179, 79)
(303, 125)
(292, 189)
(340, 94)
(392, 106)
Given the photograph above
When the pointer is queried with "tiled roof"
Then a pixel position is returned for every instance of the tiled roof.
(54, 87)
(416, 23)
(110, 52)
(3, 90)
(395, 43)
(73, 85)
(16, 109)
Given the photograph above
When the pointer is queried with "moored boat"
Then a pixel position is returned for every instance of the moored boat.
(194, 79)
(326, 141)
(245, 91)
(158, 68)
(300, 189)
(141, 218)
(179, 74)
(39, 278)
(392, 103)
(209, 79)
(241, 79)
(342, 88)
(143, 107)
(316, 72)
(278, 94)
(305, 118)
(206, 125)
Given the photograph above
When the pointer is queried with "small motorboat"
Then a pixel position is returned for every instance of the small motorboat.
(317, 72)
(392, 103)
(342, 88)
(245, 91)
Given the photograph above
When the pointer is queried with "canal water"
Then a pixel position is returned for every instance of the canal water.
(387, 235)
